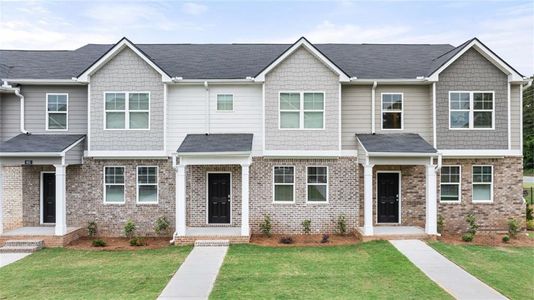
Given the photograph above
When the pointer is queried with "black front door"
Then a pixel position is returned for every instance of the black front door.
(49, 198)
(218, 198)
(388, 197)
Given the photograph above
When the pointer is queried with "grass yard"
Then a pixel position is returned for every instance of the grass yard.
(77, 274)
(506, 269)
(374, 270)
(529, 197)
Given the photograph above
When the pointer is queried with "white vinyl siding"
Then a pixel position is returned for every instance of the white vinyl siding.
(147, 185)
(127, 110)
(57, 111)
(284, 184)
(114, 185)
(471, 110)
(301, 110)
(317, 184)
(451, 187)
(482, 184)
(225, 102)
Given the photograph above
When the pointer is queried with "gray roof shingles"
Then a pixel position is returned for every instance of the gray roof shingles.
(26, 143)
(204, 143)
(395, 142)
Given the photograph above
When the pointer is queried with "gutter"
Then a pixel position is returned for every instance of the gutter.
(8, 87)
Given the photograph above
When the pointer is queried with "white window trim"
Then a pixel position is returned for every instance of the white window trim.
(301, 110)
(126, 110)
(275, 184)
(57, 112)
(137, 185)
(471, 110)
(217, 103)
(459, 186)
(105, 184)
(473, 183)
(327, 185)
(401, 111)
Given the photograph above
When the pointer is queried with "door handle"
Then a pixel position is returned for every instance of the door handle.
(397, 198)
(229, 198)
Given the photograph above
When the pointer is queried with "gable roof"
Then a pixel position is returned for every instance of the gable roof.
(41, 143)
(395, 143)
(220, 142)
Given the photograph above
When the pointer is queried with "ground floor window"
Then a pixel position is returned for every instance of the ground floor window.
(482, 183)
(284, 184)
(147, 185)
(450, 184)
(114, 185)
(317, 184)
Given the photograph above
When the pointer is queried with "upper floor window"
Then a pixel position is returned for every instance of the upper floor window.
(225, 102)
(147, 185)
(57, 111)
(284, 184)
(301, 110)
(471, 110)
(317, 184)
(127, 110)
(392, 110)
(114, 185)
(450, 184)
(482, 183)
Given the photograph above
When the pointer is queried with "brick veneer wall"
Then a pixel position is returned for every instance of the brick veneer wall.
(287, 218)
(32, 193)
(12, 201)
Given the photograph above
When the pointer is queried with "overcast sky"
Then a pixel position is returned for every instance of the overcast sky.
(507, 27)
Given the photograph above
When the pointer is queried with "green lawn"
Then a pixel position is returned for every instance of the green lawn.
(529, 196)
(508, 270)
(77, 274)
(374, 270)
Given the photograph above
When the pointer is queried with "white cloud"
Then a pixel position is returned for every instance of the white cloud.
(194, 9)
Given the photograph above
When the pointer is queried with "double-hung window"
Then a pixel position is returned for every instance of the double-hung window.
(147, 185)
(301, 110)
(450, 184)
(225, 102)
(482, 183)
(57, 111)
(392, 110)
(471, 110)
(284, 184)
(317, 184)
(114, 185)
(127, 110)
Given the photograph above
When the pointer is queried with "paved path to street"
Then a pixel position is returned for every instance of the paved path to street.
(453, 279)
(196, 276)
(7, 258)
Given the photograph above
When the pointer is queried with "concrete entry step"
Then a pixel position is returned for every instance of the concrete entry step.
(22, 246)
(212, 243)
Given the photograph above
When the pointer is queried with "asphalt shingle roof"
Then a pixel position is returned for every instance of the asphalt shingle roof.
(227, 142)
(39, 142)
(395, 142)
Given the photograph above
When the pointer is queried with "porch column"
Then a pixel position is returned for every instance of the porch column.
(431, 200)
(245, 228)
(61, 205)
(180, 200)
(1, 199)
(368, 200)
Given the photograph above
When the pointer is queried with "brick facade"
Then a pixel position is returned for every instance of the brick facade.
(12, 201)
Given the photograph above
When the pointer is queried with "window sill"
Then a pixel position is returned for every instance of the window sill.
(483, 202)
(450, 202)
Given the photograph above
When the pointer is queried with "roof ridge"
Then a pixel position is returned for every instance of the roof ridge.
(455, 48)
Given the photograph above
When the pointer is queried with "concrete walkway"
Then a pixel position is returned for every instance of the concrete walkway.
(196, 276)
(445, 273)
(8, 258)
(528, 179)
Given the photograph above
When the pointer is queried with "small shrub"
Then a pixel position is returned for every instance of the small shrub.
(266, 226)
(472, 222)
(129, 229)
(91, 229)
(530, 225)
(513, 228)
(162, 226)
(137, 241)
(306, 226)
(468, 237)
(440, 224)
(99, 243)
(505, 238)
(341, 225)
(325, 239)
(530, 212)
(286, 240)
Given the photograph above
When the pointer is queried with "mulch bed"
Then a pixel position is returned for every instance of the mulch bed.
(119, 243)
(489, 239)
(303, 240)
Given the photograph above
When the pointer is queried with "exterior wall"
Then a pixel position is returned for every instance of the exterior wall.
(12, 201)
(129, 73)
(287, 218)
(9, 116)
(186, 112)
(472, 72)
(301, 71)
(516, 117)
(31, 190)
(75, 155)
(196, 195)
(507, 196)
(355, 114)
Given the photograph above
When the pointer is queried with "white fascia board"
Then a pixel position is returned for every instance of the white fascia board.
(126, 154)
(308, 153)
(302, 42)
(484, 51)
(214, 160)
(479, 153)
(401, 154)
(202, 154)
(176, 81)
(72, 146)
(355, 81)
(31, 154)
(84, 77)
(29, 81)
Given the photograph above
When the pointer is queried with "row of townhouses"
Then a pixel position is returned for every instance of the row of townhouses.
(214, 137)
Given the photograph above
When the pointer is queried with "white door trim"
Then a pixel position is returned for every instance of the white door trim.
(207, 197)
(400, 196)
(41, 178)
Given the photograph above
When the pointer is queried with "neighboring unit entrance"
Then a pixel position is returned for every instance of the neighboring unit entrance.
(388, 194)
(219, 193)
(48, 197)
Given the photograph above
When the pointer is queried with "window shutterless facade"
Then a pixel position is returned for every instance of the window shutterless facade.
(57, 111)
(114, 185)
(471, 110)
(147, 185)
(392, 110)
(451, 187)
(127, 110)
(301, 110)
(284, 184)
(482, 184)
(317, 184)
(225, 102)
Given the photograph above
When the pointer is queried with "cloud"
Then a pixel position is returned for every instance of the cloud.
(194, 9)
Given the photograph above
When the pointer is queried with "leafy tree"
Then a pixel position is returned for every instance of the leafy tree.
(528, 127)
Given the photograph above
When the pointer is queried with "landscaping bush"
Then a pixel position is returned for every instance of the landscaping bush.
(325, 239)
(266, 226)
(129, 229)
(506, 238)
(472, 223)
(530, 225)
(99, 243)
(162, 226)
(468, 237)
(440, 224)
(91, 229)
(286, 240)
(306, 226)
(530, 212)
(137, 241)
(513, 228)
(341, 225)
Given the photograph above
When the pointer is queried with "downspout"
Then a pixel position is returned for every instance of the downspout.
(208, 112)
(174, 165)
(18, 94)
(373, 108)
(440, 161)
